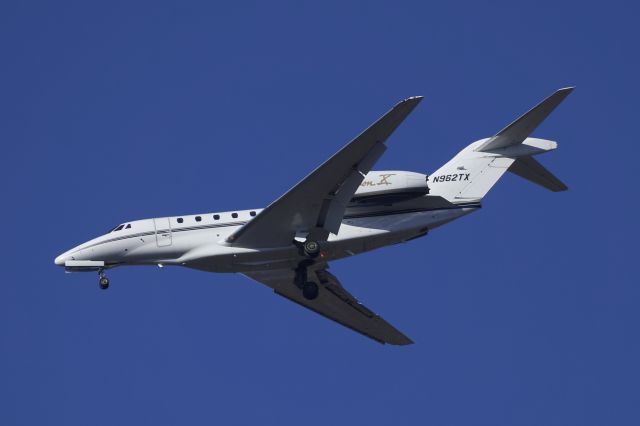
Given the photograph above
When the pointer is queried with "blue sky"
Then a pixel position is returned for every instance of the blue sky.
(524, 313)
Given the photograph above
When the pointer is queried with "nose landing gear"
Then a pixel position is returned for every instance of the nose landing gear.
(103, 281)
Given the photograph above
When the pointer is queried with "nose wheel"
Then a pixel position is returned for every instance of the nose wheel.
(103, 281)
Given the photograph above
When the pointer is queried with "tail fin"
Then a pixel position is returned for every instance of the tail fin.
(472, 173)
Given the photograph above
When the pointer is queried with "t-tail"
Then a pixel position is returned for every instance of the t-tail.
(468, 176)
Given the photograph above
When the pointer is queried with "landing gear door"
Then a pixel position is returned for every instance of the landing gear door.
(163, 231)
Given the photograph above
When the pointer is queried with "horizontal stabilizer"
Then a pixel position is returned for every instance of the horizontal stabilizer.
(530, 169)
(516, 132)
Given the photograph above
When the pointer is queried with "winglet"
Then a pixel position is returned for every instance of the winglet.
(516, 132)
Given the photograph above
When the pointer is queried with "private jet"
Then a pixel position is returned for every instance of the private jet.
(340, 209)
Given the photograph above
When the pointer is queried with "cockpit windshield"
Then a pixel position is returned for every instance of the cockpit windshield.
(117, 228)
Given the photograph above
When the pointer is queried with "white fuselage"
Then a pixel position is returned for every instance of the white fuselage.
(199, 241)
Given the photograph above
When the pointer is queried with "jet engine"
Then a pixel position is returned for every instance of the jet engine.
(386, 187)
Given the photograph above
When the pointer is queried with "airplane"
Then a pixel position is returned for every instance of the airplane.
(341, 209)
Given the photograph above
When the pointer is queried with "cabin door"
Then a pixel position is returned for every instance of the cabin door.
(163, 231)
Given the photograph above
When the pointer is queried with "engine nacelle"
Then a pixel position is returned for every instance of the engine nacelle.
(390, 186)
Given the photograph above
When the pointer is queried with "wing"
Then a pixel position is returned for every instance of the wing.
(316, 204)
(333, 302)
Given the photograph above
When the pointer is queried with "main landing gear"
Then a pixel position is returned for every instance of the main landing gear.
(309, 289)
(103, 281)
(311, 248)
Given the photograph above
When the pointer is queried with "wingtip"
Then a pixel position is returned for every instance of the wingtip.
(399, 340)
(567, 89)
(413, 101)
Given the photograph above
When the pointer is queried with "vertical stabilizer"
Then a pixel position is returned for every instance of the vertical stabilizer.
(469, 175)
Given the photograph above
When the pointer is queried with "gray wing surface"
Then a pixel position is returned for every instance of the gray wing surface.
(333, 302)
(316, 204)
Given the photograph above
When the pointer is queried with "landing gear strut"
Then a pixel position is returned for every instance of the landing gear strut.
(103, 281)
(309, 288)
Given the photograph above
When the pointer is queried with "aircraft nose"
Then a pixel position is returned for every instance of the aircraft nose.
(60, 259)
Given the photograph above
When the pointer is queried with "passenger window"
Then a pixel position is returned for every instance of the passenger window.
(216, 217)
(180, 220)
(252, 213)
(198, 218)
(128, 226)
(234, 215)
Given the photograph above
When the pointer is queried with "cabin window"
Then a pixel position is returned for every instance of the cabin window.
(216, 217)
(119, 227)
(198, 218)
(234, 215)
(180, 220)
(252, 213)
(128, 226)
